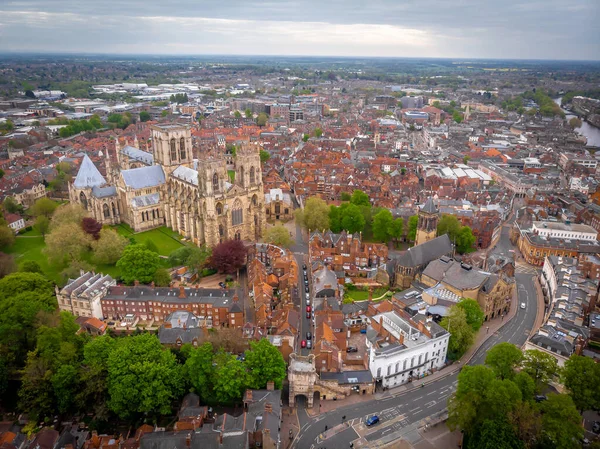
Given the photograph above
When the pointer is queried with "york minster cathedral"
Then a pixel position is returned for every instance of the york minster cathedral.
(198, 198)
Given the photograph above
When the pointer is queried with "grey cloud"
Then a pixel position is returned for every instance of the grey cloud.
(468, 28)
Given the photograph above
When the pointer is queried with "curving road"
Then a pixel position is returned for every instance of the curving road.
(400, 412)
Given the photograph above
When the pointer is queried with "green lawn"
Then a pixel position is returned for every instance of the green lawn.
(164, 238)
(362, 295)
(30, 248)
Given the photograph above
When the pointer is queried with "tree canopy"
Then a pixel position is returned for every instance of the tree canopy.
(461, 333)
(228, 256)
(473, 312)
(265, 363)
(503, 359)
(461, 235)
(109, 247)
(315, 215)
(278, 235)
(138, 263)
(581, 376)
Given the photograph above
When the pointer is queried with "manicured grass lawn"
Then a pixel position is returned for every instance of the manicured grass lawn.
(164, 238)
(32, 232)
(363, 295)
(30, 248)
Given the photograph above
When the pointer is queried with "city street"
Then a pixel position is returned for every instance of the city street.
(401, 412)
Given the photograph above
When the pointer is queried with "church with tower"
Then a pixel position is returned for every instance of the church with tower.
(205, 200)
(428, 247)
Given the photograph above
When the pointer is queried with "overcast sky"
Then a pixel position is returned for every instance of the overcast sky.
(539, 29)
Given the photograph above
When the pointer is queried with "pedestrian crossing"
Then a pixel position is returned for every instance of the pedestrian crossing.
(526, 269)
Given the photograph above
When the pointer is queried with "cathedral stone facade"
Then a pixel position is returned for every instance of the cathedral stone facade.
(198, 198)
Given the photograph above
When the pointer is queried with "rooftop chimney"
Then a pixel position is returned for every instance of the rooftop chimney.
(136, 283)
(152, 284)
(268, 407)
(181, 292)
(188, 440)
(270, 386)
(235, 298)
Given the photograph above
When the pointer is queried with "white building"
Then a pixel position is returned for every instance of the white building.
(15, 222)
(402, 348)
(570, 231)
(82, 296)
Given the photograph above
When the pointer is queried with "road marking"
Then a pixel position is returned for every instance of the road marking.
(414, 409)
(433, 392)
(430, 404)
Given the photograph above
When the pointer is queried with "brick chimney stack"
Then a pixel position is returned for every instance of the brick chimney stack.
(270, 386)
(136, 283)
(182, 292)
(268, 407)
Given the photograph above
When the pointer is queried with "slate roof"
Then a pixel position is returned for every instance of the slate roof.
(426, 252)
(138, 155)
(186, 174)
(146, 200)
(454, 274)
(88, 175)
(349, 377)
(139, 178)
(429, 207)
(104, 192)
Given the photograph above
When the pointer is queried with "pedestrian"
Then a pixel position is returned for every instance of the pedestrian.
(325, 428)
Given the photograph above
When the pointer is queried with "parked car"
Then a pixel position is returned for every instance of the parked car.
(305, 281)
(372, 420)
(309, 344)
(596, 427)
(307, 295)
(308, 336)
(351, 349)
(222, 285)
(363, 331)
(304, 267)
(540, 398)
(303, 344)
(308, 315)
(306, 289)
(308, 309)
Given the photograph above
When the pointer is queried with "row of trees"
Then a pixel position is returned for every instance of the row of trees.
(77, 126)
(357, 215)
(494, 404)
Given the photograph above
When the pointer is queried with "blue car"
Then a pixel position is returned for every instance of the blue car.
(372, 420)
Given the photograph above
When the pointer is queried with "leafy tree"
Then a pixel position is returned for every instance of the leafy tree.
(448, 224)
(470, 397)
(162, 278)
(191, 256)
(7, 264)
(237, 114)
(278, 235)
(561, 422)
(199, 371)
(382, 224)
(494, 434)
(264, 156)
(473, 312)
(164, 113)
(396, 229)
(145, 116)
(7, 236)
(352, 219)
(109, 247)
(345, 196)
(305, 137)
(31, 266)
(461, 334)
(142, 377)
(74, 268)
(335, 218)
(66, 384)
(526, 421)
(262, 119)
(265, 363)
(315, 216)
(413, 221)
(43, 207)
(24, 297)
(96, 122)
(66, 243)
(525, 384)
(94, 374)
(151, 246)
(360, 198)
(248, 113)
(228, 256)
(11, 206)
(36, 394)
(67, 213)
(91, 226)
(465, 240)
(42, 224)
(138, 263)
(503, 359)
(229, 379)
(540, 366)
(581, 376)
(318, 132)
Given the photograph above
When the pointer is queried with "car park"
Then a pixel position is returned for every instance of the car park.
(372, 420)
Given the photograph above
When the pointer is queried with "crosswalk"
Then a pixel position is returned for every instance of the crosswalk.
(526, 269)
